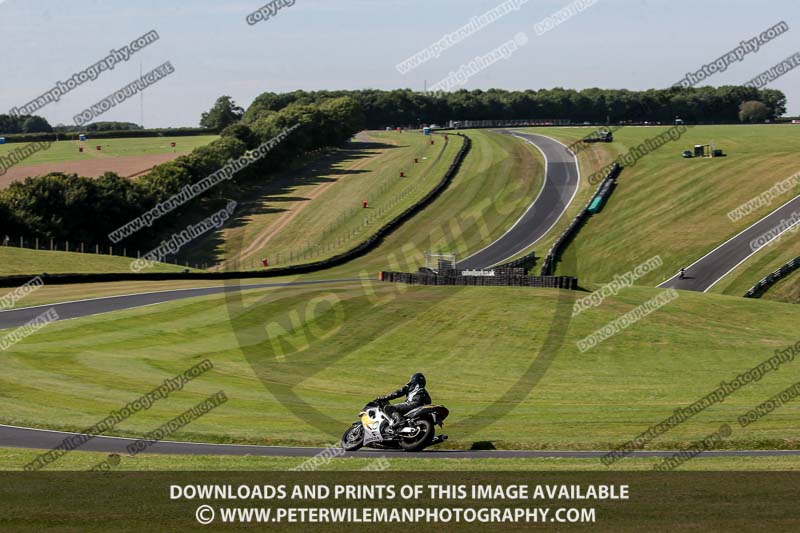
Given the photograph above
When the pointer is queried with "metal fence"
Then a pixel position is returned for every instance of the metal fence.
(526, 262)
(762, 286)
(53, 245)
(519, 123)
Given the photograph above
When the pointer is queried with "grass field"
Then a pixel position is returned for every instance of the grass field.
(23, 261)
(68, 150)
(316, 211)
(278, 354)
(497, 182)
(677, 207)
(12, 459)
(787, 290)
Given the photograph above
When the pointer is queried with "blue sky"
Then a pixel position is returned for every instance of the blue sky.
(351, 44)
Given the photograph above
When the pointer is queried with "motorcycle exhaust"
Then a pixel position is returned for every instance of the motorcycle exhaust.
(408, 432)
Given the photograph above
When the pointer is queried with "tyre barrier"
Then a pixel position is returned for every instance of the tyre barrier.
(372, 242)
(603, 192)
(542, 282)
(757, 290)
(498, 271)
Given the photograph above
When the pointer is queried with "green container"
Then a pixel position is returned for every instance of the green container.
(594, 207)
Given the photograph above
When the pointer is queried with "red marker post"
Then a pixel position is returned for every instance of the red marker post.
(366, 204)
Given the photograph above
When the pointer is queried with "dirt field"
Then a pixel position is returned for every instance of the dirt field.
(130, 166)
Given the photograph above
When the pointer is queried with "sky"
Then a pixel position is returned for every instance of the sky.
(356, 44)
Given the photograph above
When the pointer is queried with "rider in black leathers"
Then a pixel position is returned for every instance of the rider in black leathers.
(416, 396)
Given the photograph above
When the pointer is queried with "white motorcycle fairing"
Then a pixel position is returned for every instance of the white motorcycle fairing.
(372, 419)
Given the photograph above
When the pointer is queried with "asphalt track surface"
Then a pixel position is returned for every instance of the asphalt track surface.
(715, 265)
(561, 182)
(17, 437)
(80, 308)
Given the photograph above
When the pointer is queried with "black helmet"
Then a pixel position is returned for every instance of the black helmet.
(418, 379)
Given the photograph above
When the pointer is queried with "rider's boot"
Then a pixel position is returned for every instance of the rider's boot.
(397, 422)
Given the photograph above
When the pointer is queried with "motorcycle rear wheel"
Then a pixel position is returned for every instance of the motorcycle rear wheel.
(353, 438)
(423, 439)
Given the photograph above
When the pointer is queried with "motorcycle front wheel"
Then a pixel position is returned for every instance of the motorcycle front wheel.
(423, 437)
(353, 438)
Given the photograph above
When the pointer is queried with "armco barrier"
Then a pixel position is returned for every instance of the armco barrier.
(544, 282)
(762, 286)
(359, 250)
(519, 123)
(526, 261)
(605, 188)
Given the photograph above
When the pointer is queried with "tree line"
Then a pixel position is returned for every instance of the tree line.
(30, 124)
(24, 124)
(403, 107)
(99, 126)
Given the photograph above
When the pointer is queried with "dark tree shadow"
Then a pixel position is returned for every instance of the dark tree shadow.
(264, 197)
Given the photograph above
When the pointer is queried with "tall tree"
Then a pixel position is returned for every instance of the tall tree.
(753, 112)
(224, 113)
(36, 124)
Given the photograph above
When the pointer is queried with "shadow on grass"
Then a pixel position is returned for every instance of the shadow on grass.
(255, 199)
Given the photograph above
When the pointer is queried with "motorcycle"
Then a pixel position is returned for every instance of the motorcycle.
(417, 433)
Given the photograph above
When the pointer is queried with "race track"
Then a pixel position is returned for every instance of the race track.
(561, 181)
(558, 190)
(715, 265)
(16, 437)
